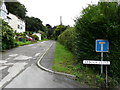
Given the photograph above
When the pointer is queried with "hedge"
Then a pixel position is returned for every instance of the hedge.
(7, 37)
(67, 38)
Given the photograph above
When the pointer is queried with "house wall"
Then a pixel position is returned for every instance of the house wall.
(17, 24)
(3, 11)
(38, 34)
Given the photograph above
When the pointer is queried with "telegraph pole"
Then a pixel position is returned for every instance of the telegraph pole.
(60, 20)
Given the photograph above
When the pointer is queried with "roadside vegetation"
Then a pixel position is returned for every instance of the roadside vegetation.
(20, 43)
(95, 22)
(77, 43)
(65, 61)
(6, 37)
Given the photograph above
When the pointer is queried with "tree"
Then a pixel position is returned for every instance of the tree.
(49, 31)
(58, 30)
(34, 24)
(16, 8)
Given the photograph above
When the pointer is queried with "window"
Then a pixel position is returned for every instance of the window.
(18, 26)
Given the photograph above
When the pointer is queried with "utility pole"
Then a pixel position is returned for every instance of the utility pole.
(60, 20)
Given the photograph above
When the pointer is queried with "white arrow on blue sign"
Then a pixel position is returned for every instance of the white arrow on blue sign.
(102, 45)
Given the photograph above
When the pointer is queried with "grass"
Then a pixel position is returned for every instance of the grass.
(20, 43)
(64, 61)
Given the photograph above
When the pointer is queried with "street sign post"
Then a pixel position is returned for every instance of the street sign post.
(102, 45)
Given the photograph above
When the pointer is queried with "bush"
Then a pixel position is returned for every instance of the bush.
(7, 37)
(67, 38)
(99, 22)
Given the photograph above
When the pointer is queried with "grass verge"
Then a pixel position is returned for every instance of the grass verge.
(64, 61)
(20, 43)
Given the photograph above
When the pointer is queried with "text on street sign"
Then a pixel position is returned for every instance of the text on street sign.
(96, 62)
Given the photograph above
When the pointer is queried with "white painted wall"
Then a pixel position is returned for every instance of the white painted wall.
(3, 10)
(17, 24)
(38, 34)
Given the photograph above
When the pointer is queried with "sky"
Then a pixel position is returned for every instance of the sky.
(49, 11)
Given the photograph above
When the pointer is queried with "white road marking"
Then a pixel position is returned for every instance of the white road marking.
(8, 64)
(22, 57)
(30, 45)
(13, 55)
(7, 59)
(37, 54)
(3, 61)
(13, 71)
(43, 42)
(3, 67)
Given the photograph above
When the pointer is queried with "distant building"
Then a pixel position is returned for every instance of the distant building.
(38, 34)
(15, 22)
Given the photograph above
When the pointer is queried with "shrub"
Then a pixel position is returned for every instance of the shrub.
(99, 22)
(67, 38)
(7, 37)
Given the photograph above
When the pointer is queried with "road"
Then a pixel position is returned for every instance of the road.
(19, 70)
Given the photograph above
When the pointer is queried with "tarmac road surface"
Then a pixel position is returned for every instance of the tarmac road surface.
(19, 69)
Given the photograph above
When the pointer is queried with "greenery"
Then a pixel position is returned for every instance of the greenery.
(61, 62)
(96, 22)
(34, 24)
(23, 43)
(17, 9)
(20, 43)
(99, 22)
(67, 38)
(58, 30)
(49, 31)
(67, 64)
(6, 37)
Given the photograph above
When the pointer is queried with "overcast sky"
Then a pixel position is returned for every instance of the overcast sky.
(49, 11)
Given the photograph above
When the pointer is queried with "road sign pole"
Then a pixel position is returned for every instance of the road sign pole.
(106, 78)
(101, 64)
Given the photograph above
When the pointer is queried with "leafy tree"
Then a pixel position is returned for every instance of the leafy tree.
(16, 8)
(49, 31)
(34, 24)
(58, 30)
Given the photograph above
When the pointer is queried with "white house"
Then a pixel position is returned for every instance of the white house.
(15, 22)
(3, 10)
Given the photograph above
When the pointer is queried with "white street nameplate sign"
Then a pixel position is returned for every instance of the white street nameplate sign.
(96, 62)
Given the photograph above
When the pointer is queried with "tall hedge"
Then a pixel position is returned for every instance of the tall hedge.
(6, 37)
(100, 21)
(67, 38)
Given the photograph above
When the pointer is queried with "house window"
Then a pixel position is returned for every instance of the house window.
(18, 26)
